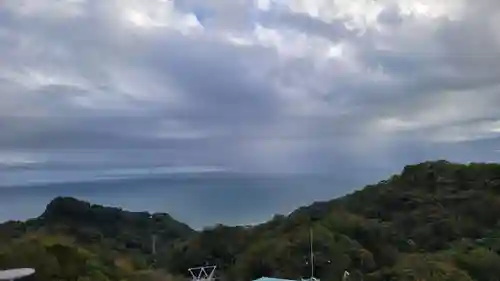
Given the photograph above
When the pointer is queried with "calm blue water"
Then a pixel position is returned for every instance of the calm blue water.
(198, 200)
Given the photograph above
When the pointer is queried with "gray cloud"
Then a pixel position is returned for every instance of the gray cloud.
(225, 84)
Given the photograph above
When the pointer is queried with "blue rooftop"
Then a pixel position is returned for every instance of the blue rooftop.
(272, 279)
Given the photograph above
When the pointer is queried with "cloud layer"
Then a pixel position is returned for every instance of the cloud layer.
(260, 86)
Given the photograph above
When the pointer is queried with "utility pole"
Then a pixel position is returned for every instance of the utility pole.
(312, 253)
(153, 250)
(153, 244)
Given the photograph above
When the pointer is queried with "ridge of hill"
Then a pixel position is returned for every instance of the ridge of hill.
(434, 221)
(76, 240)
(134, 229)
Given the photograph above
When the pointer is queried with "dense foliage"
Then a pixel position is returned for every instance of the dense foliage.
(434, 221)
(74, 240)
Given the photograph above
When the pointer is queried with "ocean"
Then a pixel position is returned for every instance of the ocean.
(200, 200)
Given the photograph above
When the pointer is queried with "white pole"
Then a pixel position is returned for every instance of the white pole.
(312, 254)
(153, 246)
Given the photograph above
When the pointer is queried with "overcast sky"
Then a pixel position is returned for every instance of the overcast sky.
(94, 88)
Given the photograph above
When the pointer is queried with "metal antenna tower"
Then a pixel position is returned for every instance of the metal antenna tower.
(311, 255)
(203, 273)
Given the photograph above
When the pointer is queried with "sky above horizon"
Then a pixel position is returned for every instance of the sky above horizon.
(95, 89)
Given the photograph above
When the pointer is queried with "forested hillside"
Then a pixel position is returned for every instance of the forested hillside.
(74, 240)
(434, 221)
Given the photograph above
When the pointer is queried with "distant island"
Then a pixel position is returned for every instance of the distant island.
(435, 221)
